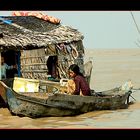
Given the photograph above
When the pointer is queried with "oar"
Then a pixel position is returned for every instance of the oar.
(132, 97)
(136, 88)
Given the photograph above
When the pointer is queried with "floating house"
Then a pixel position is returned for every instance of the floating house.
(29, 40)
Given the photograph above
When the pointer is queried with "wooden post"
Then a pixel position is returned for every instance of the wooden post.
(18, 63)
(0, 65)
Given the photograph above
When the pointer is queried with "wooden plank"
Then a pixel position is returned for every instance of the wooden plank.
(0, 66)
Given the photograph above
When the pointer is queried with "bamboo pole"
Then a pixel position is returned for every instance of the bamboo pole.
(18, 64)
(0, 65)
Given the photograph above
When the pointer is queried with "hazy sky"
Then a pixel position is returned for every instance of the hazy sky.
(101, 29)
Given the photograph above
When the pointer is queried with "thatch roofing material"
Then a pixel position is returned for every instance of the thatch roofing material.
(17, 39)
(29, 22)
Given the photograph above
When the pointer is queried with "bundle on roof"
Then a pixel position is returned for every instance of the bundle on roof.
(38, 15)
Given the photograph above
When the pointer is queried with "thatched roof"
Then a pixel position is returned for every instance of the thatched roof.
(29, 32)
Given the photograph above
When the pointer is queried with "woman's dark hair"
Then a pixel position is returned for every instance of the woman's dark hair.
(75, 68)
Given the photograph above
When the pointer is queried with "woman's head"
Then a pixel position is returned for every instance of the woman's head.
(74, 70)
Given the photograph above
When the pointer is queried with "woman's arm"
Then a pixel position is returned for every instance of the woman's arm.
(77, 86)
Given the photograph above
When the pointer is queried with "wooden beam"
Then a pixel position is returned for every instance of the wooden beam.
(0, 65)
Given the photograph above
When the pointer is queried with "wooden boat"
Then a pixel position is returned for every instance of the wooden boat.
(54, 103)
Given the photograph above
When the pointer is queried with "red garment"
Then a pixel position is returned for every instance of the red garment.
(81, 84)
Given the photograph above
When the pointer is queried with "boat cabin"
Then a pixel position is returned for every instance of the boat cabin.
(41, 48)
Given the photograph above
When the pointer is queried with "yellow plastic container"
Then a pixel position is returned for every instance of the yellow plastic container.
(25, 85)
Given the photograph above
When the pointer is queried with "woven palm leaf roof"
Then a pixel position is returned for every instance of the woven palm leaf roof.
(29, 32)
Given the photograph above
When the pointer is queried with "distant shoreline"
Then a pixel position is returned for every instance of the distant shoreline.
(112, 48)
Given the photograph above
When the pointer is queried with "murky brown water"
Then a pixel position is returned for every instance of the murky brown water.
(122, 118)
(111, 68)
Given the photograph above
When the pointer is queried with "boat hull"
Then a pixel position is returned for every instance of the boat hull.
(36, 105)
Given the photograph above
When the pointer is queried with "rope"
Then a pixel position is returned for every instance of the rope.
(135, 22)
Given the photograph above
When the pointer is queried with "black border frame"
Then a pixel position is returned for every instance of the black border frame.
(70, 5)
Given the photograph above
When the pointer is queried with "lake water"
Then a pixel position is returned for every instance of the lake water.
(110, 68)
(122, 118)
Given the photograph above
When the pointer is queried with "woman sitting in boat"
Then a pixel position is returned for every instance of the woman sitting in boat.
(81, 84)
